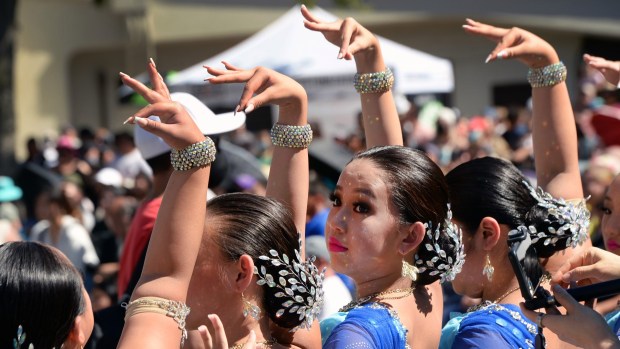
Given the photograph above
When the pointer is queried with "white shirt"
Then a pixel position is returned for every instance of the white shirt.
(335, 296)
(74, 241)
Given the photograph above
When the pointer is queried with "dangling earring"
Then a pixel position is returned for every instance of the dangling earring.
(409, 271)
(250, 309)
(488, 269)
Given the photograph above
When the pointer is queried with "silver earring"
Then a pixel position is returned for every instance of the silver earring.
(488, 269)
(250, 309)
(409, 271)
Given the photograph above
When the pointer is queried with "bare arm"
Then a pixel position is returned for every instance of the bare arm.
(178, 230)
(554, 131)
(381, 122)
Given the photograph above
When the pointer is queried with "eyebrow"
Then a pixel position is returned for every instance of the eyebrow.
(363, 191)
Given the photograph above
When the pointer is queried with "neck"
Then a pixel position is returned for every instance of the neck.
(238, 328)
(380, 284)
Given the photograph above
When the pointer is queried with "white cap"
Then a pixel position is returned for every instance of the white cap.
(208, 122)
(110, 177)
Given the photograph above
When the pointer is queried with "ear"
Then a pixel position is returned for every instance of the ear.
(77, 337)
(245, 272)
(490, 232)
(413, 238)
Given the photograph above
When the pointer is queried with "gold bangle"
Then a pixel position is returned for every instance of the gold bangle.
(178, 311)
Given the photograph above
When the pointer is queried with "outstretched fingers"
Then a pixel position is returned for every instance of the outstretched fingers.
(488, 31)
(148, 94)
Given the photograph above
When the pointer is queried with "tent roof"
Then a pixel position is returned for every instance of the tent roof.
(288, 47)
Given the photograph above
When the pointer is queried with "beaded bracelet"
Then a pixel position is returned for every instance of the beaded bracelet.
(374, 82)
(196, 155)
(178, 311)
(291, 136)
(547, 76)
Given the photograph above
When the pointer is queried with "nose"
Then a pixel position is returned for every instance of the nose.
(336, 221)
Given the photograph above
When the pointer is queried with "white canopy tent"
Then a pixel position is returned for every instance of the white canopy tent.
(288, 47)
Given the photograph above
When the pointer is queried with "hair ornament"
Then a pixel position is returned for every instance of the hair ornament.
(573, 218)
(444, 264)
(300, 284)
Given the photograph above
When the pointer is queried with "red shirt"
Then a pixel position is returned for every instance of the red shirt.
(137, 239)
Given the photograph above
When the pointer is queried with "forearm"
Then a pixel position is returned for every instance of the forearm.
(555, 142)
(288, 177)
(176, 237)
(381, 121)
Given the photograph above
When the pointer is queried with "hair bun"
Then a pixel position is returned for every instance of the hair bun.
(442, 255)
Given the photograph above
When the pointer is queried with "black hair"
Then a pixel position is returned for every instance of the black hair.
(491, 187)
(40, 291)
(419, 192)
(160, 163)
(253, 225)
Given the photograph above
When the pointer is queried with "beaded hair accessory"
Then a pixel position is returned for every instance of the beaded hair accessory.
(573, 218)
(445, 264)
(300, 284)
(20, 339)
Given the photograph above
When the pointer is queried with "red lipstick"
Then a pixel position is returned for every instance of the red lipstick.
(335, 246)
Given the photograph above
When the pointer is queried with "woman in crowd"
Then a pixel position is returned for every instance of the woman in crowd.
(250, 270)
(390, 212)
(491, 197)
(42, 299)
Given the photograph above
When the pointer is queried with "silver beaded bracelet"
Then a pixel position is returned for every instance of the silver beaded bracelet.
(378, 82)
(291, 136)
(547, 76)
(196, 155)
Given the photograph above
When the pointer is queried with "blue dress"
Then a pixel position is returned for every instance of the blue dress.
(492, 326)
(613, 320)
(371, 325)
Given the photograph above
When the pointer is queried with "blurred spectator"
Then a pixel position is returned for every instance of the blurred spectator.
(129, 162)
(336, 293)
(318, 207)
(58, 227)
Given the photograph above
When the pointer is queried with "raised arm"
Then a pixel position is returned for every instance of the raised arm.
(176, 237)
(609, 69)
(381, 122)
(554, 130)
(288, 177)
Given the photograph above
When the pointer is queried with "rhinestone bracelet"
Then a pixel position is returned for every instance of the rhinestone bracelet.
(374, 82)
(291, 136)
(547, 76)
(178, 311)
(196, 155)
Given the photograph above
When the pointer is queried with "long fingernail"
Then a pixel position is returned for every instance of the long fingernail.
(249, 108)
(488, 58)
(128, 120)
(340, 55)
(502, 54)
(236, 110)
(152, 62)
(122, 74)
(140, 121)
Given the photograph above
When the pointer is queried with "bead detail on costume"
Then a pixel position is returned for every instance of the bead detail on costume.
(178, 311)
(196, 155)
(291, 136)
(378, 82)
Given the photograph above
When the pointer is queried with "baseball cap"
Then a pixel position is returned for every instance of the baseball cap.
(109, 177)
(207, 121)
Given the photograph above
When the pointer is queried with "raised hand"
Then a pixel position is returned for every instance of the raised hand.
(350, 36)
(514, 43)
(176, 127)
(217, 339)
(580, 326)
(263, 86)
(609, 69)
(590, 266)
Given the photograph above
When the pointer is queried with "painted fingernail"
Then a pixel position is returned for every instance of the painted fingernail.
(152, 62)
(488, 58)
(140, 121)
(340, 55)
(236, 110)
(249, 108)
(128, 120)
(502, 54)
(122, 74)
(202, 328)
